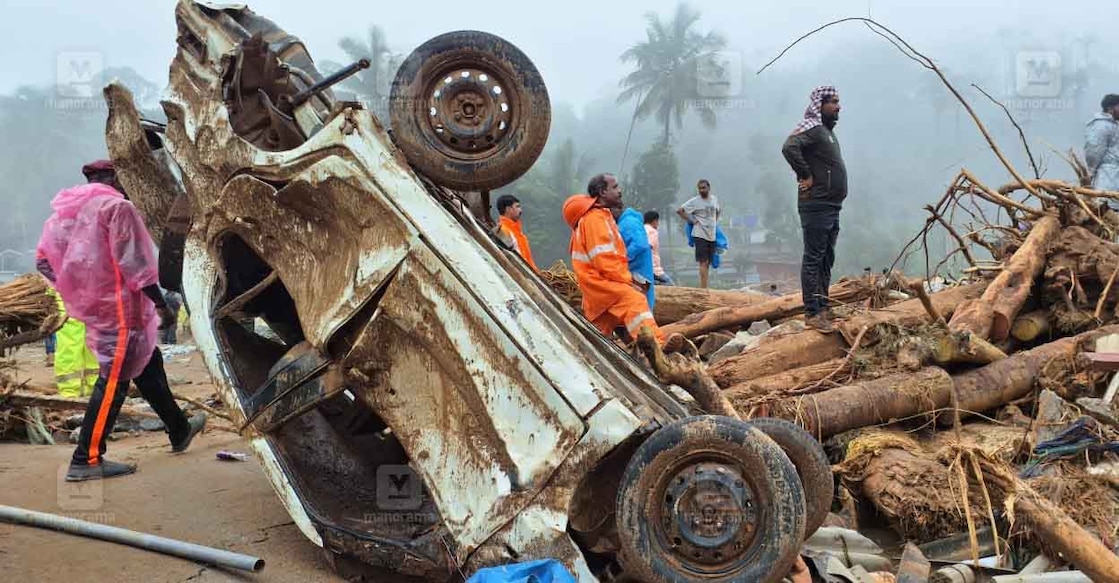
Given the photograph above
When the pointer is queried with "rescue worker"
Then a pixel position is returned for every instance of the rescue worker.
(611, 296)
(75, 365)
(631, 225)
(101, 259)
(509, 227)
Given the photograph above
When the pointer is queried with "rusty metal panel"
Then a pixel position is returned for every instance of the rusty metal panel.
(481, 424)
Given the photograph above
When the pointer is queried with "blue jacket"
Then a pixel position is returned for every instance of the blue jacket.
(632, 227)
(721, 243)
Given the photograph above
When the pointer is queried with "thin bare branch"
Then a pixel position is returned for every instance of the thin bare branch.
(1022, 134)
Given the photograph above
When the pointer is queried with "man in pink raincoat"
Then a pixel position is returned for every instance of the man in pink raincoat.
(98, 254)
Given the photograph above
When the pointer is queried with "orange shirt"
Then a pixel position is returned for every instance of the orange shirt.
(515, 237)
(598, 257)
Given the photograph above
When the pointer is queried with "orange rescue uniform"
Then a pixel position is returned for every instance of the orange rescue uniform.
(598, 257)
(513, 236)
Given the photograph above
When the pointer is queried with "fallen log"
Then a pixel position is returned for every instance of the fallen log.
(1029, 327)
(991, 315)
(810, 347)
(37, 398)
(918, 495)
(788, 380)
(907, 395)
(1050, 524)
(676, 303)
(696, 324)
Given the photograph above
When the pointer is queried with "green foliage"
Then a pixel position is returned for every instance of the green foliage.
(655, 180)
(665, 75)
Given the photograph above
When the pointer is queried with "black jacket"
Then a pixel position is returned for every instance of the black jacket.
(816, 153)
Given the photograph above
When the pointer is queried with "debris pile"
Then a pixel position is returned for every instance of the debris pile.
(28, 312)
(985, 408)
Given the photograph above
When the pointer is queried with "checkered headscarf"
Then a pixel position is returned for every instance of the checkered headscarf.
(812, 113)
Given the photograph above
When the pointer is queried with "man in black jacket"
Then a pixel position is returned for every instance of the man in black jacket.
(814, 155)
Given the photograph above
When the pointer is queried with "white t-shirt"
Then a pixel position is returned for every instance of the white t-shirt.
(702, 212)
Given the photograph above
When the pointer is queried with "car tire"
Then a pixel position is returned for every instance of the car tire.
(710, 499)
(469, 111)
(812, 467)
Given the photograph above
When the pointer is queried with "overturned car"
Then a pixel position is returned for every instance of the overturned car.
(423, 404)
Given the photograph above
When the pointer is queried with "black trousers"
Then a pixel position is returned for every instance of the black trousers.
(821, 230)
(107, 399)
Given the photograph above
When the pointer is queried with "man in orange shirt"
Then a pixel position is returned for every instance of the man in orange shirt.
(509, 227)
(611, 297)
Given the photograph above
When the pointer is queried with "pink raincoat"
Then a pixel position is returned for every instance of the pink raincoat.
(102, 256)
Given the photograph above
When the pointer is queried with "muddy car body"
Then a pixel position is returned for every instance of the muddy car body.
(421, 402)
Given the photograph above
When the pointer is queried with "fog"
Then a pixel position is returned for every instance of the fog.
(904, 136)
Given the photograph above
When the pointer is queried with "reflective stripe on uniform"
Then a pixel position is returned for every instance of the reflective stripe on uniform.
(637, 320)
(599, 249)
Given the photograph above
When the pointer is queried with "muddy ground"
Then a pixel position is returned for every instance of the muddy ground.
(190, 496)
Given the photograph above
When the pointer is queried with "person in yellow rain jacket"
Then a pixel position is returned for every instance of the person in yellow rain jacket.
(611, 297)
(509, 228)
(75, 365)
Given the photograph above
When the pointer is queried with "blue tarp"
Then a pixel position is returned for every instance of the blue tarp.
(721, 243)
(542, 571)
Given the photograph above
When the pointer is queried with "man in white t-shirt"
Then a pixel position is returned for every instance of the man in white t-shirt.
(702, 212)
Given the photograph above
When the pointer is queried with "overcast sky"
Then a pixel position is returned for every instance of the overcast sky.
(575, 43)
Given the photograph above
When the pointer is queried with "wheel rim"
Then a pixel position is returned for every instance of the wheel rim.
(468, 113)
(708, 514)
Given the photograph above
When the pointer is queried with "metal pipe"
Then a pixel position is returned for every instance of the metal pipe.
(198, 553)
(294, 101)
(1054, 577)
(1040, 564)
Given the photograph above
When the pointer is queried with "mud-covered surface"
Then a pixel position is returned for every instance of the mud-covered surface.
(475, 417)
(191, 496)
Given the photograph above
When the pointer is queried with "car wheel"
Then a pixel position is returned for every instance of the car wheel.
(470, 111)
(812, 467)
(710, 499)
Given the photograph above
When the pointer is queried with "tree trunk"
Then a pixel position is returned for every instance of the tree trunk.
(919, 496)
(1028, 327)
(906, 395)
(991, 315)
(788, 380)
(1080, 547)
(776, 308)
(778, 355)
(811, 347)
(675, 303)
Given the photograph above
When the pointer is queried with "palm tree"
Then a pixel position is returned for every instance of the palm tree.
(664, 78)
